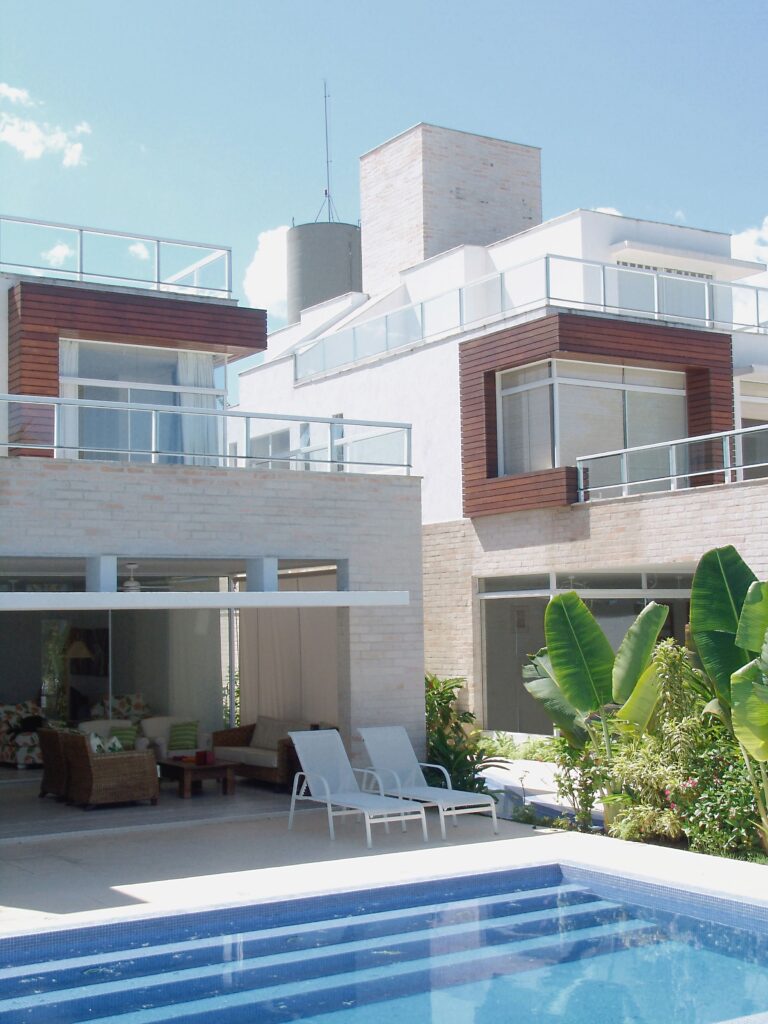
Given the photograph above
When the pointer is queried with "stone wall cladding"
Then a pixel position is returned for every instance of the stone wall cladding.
(653, 530)
(59, 508)
(431, 189)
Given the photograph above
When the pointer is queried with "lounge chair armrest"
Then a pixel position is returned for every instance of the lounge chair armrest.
(315, 779)
(438, 768)
(371, 773)
(377, 772)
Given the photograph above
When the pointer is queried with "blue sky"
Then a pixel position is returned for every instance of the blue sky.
(204, 121)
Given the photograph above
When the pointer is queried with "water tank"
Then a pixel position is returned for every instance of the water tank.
(323, 261)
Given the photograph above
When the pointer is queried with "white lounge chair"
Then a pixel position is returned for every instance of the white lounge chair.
(394, 759)
(327, 777)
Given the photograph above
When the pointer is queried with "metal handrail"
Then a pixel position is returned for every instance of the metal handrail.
(548, 295)
(340, 449)
(730, 470)
(157, 281)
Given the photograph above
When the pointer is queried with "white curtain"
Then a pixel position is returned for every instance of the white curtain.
(69, 416)
(199, 434)
(288, 659)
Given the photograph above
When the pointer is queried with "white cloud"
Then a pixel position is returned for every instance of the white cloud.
(139, 250)
(266, 279)
(58, 254)
(33, 138)
(752, 244)
(15, 95)
(679, 216)
(608, 209)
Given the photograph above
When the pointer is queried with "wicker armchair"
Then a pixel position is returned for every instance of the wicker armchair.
(54, 778)
(108, 778)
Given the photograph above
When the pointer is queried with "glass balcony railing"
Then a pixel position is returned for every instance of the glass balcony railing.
(724, 458)
(69, 252)
(197, 433)
(557, 281)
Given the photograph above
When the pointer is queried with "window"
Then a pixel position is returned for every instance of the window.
(753, 408)
(174, 382)
(550, 413)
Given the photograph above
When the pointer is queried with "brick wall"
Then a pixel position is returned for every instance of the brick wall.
(651, 531)
(51, 507)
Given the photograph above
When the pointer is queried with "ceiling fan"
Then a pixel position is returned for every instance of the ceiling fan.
(131, 585)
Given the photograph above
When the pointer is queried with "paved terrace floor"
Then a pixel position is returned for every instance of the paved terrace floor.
(128, 862)
(62, 865)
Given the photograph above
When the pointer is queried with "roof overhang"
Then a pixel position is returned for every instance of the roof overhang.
(191, 600)
(722, 268)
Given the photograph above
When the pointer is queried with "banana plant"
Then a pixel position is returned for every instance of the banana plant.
(582, 683)
(729, 629)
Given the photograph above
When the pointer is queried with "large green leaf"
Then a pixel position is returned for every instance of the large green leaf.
(749, 693)
(719, 588)
(753, 621)
(641, 703)
(634, 653)
(539, 682)
(581, 657)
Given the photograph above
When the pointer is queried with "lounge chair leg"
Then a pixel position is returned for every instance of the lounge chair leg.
(495, 819)
(441, 812)
(424, 825)
(293, 800)
(330, 823)
(403, 823)
(368, 831)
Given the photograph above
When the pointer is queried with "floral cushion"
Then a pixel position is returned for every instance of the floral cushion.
(127, 705)
(19, 748)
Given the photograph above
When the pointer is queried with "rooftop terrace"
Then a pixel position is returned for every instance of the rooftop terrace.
(74, 253)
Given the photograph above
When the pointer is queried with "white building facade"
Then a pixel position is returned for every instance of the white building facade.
(517, 358)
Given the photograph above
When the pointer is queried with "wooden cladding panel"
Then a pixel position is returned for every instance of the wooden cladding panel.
(704, 356)
(39, 314)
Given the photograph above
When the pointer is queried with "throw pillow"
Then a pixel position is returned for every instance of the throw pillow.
(182, 736)
(96, 742)
(113, 745)
(126, 734)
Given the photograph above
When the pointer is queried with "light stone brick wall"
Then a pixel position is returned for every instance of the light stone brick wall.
(370, 525)
(632, 533)
(431, 189)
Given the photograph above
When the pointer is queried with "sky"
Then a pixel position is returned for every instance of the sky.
(204, 121)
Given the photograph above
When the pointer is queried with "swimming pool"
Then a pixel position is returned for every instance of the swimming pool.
(541, 945)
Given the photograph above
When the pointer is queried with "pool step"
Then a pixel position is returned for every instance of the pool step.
(338, 963)
(311, 935)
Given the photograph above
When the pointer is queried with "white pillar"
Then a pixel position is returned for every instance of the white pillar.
(101, 574)
(261, 574)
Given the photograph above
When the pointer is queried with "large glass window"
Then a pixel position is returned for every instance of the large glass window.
(551, 413)
(176, 383)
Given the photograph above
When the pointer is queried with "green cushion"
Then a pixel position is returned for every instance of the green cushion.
(183, 736)
(126, 734)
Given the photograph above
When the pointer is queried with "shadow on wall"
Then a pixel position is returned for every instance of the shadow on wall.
(537, 528)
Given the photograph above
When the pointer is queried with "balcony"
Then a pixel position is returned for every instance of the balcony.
(198, 433)
(547, 282)
(72, 253)
(728, 457)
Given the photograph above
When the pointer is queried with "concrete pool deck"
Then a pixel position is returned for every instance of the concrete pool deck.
(49, 883)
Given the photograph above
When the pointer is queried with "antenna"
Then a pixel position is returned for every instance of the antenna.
(327, 200)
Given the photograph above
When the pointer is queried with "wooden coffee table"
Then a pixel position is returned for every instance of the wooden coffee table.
(190, 776)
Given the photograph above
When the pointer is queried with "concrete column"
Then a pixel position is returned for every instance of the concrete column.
(261, 574)
(101, 574)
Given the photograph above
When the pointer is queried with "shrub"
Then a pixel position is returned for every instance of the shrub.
(451, 742)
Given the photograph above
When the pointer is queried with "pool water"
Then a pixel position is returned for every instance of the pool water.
(538, 945)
